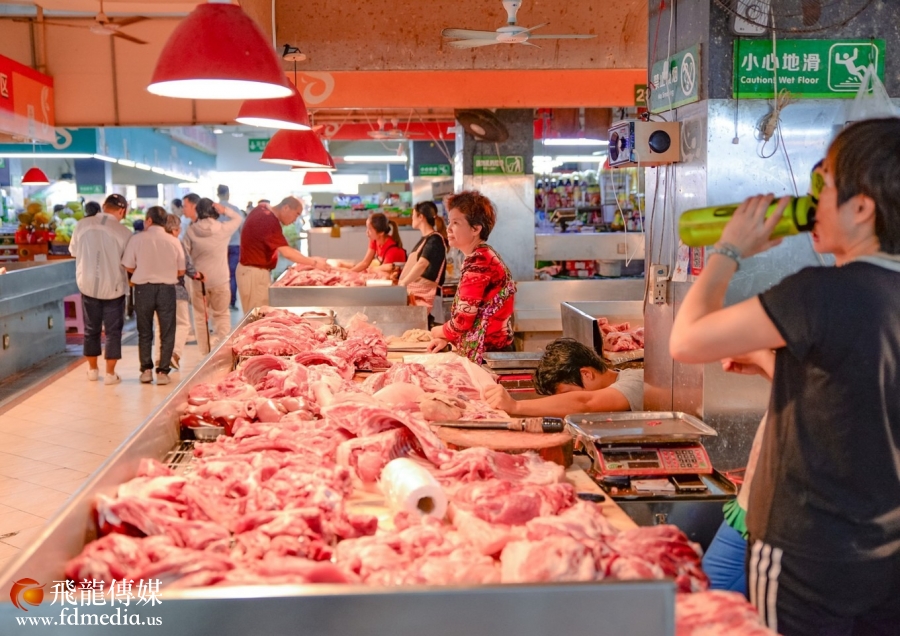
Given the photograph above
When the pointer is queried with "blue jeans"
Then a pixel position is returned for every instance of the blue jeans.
(725, 561)
(234, 257)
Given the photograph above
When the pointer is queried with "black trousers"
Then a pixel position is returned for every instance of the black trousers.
(99, 314)
(153, 298)
(798, 596)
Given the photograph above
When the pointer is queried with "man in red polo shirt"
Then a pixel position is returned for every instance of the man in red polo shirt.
(261, 242)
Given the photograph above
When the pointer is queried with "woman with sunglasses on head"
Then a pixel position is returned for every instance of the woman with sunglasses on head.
(481, 314)
(424, 269)
(823, 516)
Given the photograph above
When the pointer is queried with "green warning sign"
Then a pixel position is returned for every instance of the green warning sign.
(807, 68)
(493, 164)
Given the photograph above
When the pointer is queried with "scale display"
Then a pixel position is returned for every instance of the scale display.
(660, 460)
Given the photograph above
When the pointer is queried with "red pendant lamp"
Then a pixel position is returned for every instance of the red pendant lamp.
(35, 177)
(317, 177)
(287, 113)
(297, 148)
(218, 52)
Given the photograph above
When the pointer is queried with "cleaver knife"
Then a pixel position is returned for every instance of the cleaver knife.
(528, 424)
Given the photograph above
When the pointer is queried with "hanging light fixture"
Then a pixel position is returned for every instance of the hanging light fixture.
(35, 177)
(286, 112)
(317, 177)
(298, 148)
(218, 52)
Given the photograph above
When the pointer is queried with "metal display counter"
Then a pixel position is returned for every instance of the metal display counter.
(32, 323)
(382, 295)
(603, 609)
(579, 319)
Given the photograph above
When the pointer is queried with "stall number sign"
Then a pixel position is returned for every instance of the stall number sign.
(675, 81)
(435, 170)
(640, 95)
(490, 165)
(806, 68)
(258, 145)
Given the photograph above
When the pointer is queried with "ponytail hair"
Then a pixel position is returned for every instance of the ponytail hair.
(381, 225)
(429, 210)
(395, 234)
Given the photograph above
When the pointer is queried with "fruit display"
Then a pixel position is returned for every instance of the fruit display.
(35, 225)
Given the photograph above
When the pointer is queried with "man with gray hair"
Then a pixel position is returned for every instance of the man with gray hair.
(262, 241)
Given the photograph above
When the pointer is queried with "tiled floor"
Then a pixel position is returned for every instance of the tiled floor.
(51, 442)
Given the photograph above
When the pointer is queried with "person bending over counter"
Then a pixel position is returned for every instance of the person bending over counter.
(424, 269)
(261, 242)
(481, 314)
(575, 380)
(385, 246)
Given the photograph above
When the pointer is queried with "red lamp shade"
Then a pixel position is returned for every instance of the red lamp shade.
(317, 177)
(284, 112)
(298, 148)
(218, 52)
(35, 176)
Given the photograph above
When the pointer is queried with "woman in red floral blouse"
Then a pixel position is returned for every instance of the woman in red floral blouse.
(481, 314)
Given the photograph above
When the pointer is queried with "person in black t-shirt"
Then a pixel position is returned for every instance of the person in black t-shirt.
(424, 269)
(824, 510)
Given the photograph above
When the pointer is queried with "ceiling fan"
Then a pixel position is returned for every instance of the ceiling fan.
(510, 34)
(395, 133)
(104, 25)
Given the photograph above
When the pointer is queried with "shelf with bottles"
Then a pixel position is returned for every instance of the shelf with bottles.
(589, 188)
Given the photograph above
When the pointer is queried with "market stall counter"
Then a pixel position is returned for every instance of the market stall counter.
(280, 524)
(32, 321)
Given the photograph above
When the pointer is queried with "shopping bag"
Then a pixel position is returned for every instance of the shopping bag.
(871, 101)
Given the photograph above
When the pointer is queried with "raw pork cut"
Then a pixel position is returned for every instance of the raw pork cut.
(553, 559)
(716, 613)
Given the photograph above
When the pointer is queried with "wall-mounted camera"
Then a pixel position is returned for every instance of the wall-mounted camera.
(648, 143)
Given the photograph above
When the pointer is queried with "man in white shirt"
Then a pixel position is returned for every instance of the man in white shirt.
(155, 260)
(97, 244)
(575, 380)
(234, 245)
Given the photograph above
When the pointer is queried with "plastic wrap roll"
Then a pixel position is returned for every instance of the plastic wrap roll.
(409, 487)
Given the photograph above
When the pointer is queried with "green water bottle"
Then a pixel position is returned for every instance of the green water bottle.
(703, 226)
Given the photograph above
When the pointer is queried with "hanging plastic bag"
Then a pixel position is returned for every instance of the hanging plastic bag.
(871, 101)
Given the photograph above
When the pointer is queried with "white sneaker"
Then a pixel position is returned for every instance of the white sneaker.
(162, 378)
(147, 376)
(93, 374)
(111, 379)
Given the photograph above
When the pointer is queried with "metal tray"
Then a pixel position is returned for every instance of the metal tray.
(512, 359)
(638, 427)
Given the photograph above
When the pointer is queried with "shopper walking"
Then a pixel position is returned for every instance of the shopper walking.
(207, 242)
(182, 301)
(97, 244)
(261, 242)
(234, 245)
(155, 261)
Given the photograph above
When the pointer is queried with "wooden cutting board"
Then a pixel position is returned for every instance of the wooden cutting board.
(553, 447)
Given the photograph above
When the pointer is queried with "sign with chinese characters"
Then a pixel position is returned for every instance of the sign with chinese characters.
(435, 170)
(675, 81)
(257, 145)
(806, 68)
(26, 102)
(495, 165)
(88, 188)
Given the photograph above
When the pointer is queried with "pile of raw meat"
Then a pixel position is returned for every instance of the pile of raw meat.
(620, 337)
(306, 276)
(279, 499)
(282, 333)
